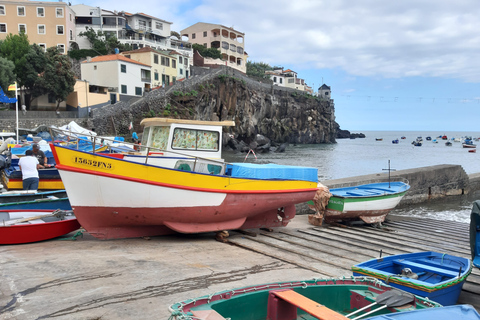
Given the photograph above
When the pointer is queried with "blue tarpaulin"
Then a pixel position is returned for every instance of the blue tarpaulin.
(272, 171)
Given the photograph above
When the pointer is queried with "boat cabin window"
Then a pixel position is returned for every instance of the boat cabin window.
(192, 139)
(160, 137)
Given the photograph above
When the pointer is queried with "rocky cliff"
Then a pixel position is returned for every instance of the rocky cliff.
(282, 115)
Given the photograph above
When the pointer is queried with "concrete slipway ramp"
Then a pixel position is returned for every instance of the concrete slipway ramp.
(139, 278)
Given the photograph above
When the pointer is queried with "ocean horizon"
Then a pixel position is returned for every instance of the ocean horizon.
(361, 156)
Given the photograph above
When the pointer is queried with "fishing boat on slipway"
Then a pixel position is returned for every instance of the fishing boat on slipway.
(178, 182)
(370, 202)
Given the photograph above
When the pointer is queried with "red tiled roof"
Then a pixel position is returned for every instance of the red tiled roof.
(114, 57)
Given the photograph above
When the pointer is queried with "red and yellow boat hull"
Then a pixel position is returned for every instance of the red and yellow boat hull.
(115, 198)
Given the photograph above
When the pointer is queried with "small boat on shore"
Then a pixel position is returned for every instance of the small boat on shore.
(448, 144)
(370, 202)
(51, 203)
(179, 183)
(436, 276)
(395, 141)
(30, 195)
(472, 150)
(461, 311)
(378, 139)
(26, 226)
(475, 233)
(344, 298)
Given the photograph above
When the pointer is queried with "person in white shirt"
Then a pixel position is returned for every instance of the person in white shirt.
(29, 166)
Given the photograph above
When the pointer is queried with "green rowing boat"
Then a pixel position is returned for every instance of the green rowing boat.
(344, 298)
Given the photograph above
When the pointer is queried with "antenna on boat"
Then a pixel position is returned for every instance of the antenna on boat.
(389, 170)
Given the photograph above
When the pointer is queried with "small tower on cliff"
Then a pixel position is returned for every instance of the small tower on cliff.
(325, 92)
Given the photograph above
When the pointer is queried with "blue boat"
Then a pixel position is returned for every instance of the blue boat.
(436, 276)
(52, 203)
(462, 311)
(30, 195)
(475, 233)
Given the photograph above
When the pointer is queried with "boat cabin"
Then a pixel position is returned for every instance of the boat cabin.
(173, 143)
(171, 137)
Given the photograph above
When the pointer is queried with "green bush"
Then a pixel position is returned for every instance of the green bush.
(194, 93)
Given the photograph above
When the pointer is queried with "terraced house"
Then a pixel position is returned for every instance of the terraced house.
(229, 41)
(48, 24)
(163, 63)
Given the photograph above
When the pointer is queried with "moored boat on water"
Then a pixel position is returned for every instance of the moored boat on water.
(469, 144)
(436, 276)
(178, 182)
(346, 298)
(475, 233)
(26, 226)
(370, 202)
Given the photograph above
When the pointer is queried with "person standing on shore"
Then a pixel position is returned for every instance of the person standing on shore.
(29, 166)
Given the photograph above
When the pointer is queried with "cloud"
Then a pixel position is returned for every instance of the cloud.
(369, 38)
(362, 37)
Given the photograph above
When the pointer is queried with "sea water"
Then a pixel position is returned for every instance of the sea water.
(355, 157)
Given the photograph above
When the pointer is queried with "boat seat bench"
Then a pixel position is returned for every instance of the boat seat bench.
(425, 267)
(283, 304)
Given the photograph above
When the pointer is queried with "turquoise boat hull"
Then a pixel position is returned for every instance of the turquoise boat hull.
(475, 233)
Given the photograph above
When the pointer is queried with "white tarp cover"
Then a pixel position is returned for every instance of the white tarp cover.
(77, 130)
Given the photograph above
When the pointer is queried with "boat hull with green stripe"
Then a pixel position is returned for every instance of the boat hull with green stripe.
(369, 202)
(436, 276)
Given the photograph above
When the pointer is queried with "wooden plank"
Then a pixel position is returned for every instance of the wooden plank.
(409, 234)
(343, 245)
(431, 231)
(404, 242)
(296, 262)
(311, 307)
(325, 249)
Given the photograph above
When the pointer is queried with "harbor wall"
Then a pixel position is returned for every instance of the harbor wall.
(426, 183)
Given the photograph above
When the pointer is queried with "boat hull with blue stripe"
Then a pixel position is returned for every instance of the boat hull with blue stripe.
(436, 276)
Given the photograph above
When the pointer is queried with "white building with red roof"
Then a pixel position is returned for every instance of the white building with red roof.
(117, 73)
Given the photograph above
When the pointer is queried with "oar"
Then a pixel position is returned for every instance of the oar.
(57, 213)
(391, 298)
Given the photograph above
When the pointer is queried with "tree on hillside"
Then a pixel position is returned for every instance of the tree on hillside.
(207, 52)
(58, 78)
(14, 48)
(35, 64)
(103, 43)
(7, 76)
(257, 69)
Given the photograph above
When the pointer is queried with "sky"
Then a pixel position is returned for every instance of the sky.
(391, 65)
